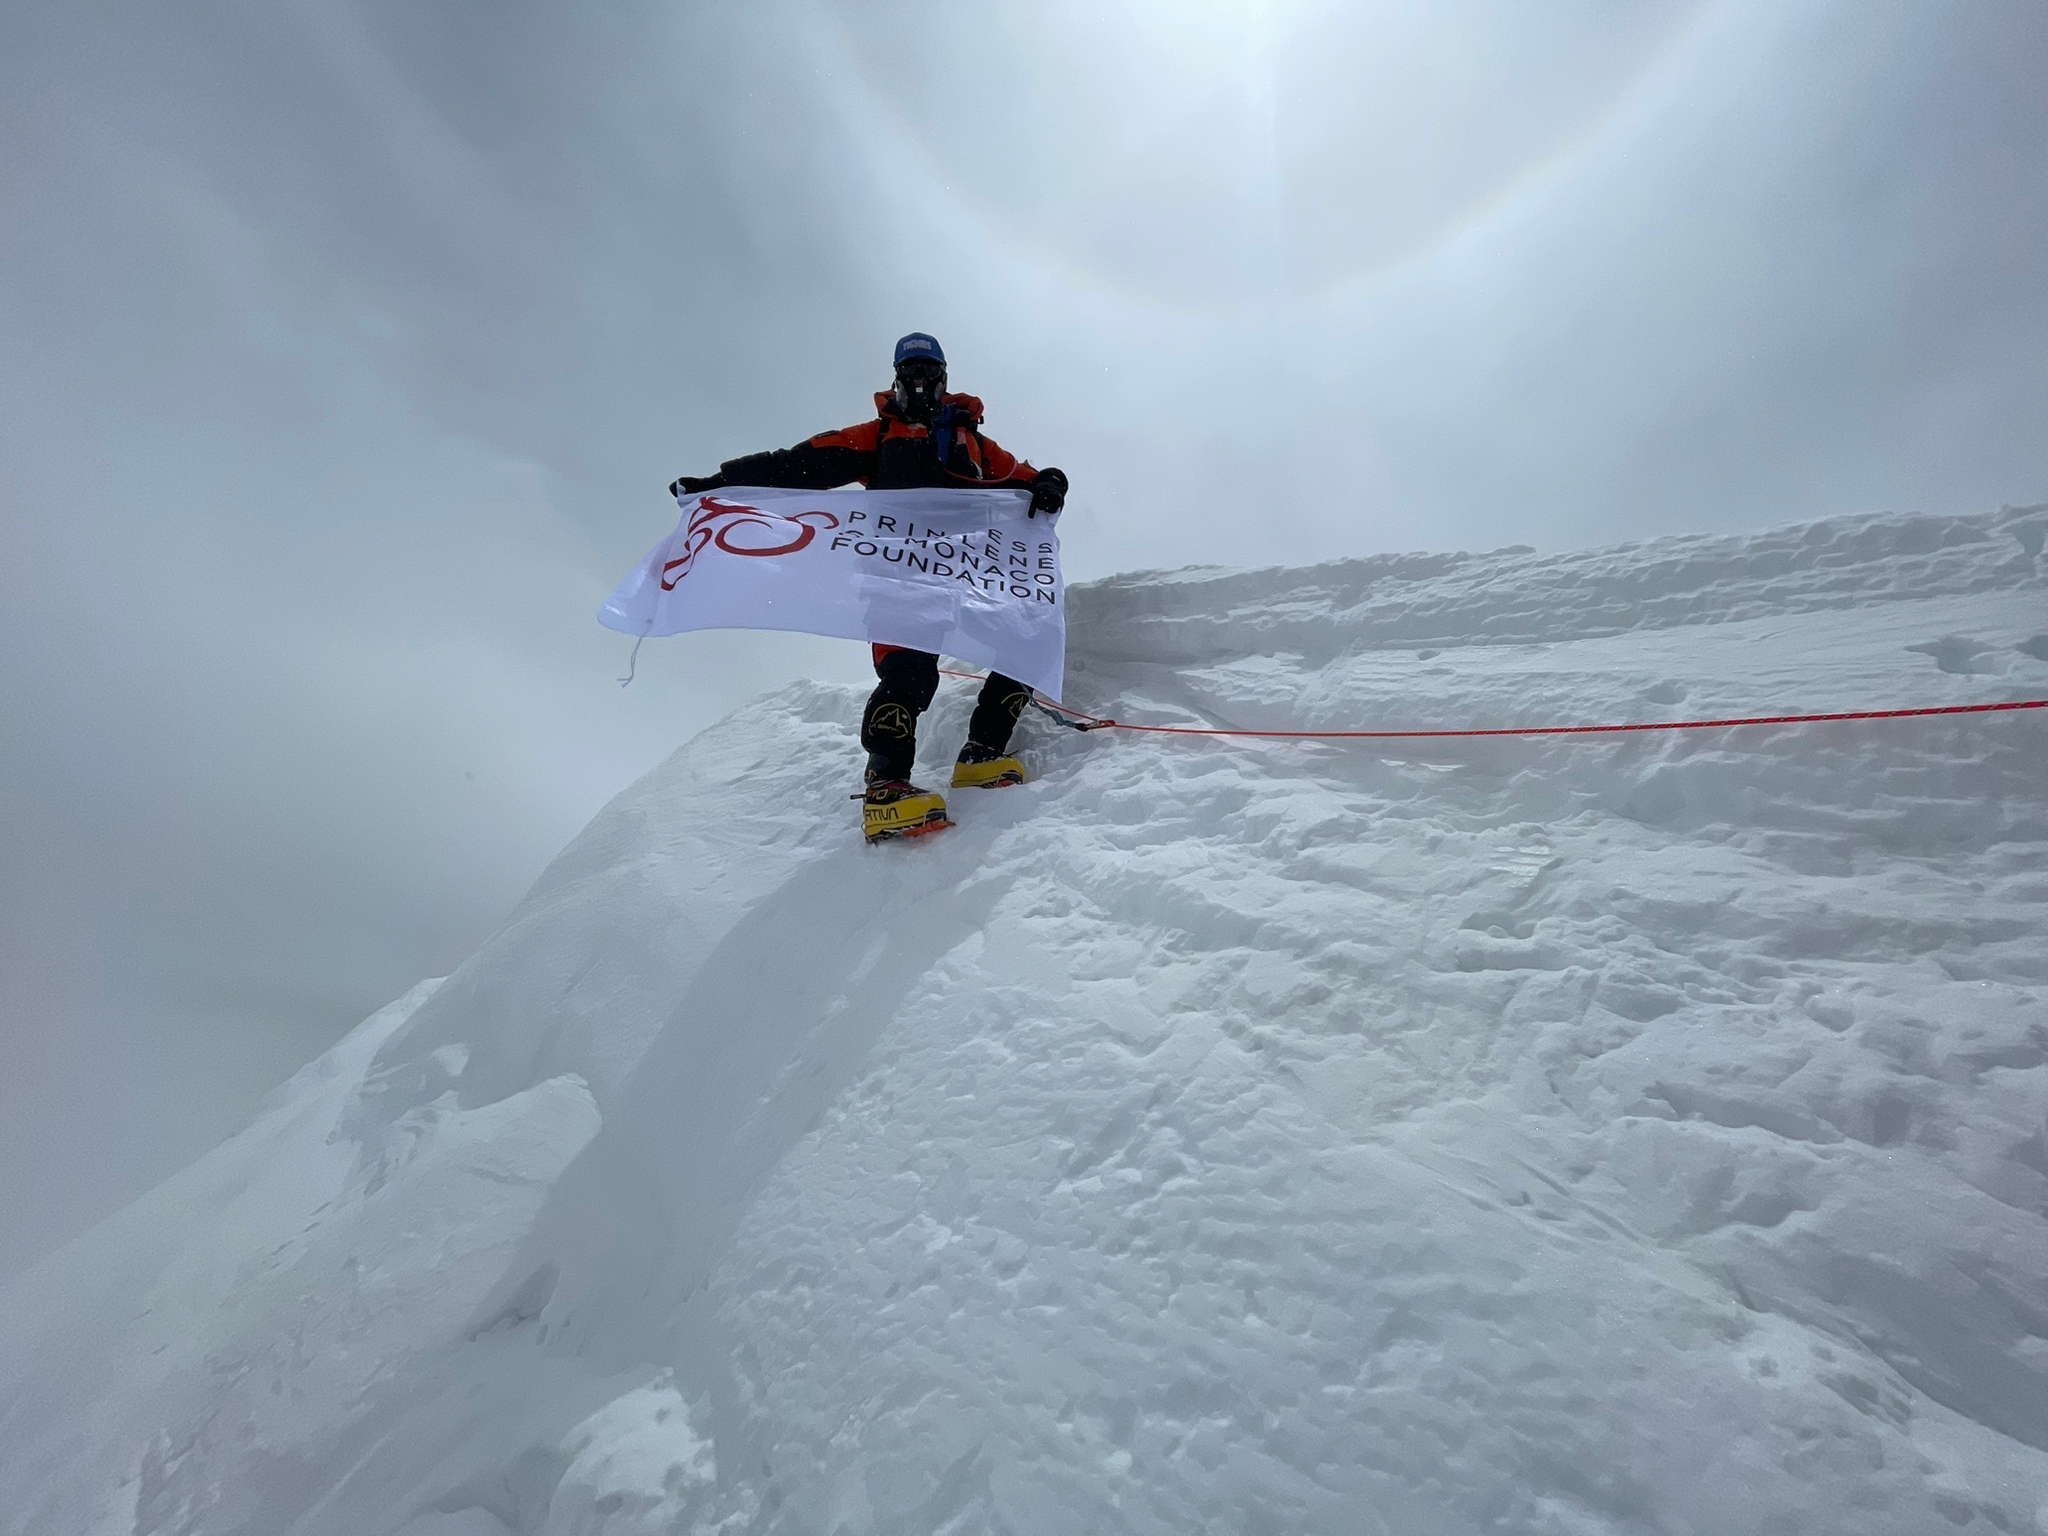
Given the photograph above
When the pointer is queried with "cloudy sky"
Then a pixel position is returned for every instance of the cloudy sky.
(346, 347)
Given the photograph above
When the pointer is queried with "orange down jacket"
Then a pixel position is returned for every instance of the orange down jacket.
(890, 453)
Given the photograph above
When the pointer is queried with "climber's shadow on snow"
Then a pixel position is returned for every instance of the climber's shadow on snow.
(773, 1026)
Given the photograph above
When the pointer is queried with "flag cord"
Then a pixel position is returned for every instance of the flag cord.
(633, 660)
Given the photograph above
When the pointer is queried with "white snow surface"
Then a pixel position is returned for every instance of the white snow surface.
(1595, 1135)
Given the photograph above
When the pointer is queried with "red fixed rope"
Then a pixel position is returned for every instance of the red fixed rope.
(1096, 723)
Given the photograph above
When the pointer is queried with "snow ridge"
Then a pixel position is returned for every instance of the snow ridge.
(1516, 597)
(1624, 1135)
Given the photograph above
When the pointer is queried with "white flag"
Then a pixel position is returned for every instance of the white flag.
(963, 573)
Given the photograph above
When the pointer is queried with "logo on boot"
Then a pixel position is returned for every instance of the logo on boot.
(893, 720)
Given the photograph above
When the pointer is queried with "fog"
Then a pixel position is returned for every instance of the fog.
(346, 348)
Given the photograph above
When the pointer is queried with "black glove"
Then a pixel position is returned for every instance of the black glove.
(688, 487)
(1048, 493)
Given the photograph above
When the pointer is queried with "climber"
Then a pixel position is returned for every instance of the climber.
(920, 436)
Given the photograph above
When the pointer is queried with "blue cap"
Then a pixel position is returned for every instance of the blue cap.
(917, 344)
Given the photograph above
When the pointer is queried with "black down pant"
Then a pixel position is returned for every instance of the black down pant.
(888, 728)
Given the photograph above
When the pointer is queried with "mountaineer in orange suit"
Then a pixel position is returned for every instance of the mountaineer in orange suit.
(921, 436)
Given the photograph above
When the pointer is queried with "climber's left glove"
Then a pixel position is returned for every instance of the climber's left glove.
(1048, 493)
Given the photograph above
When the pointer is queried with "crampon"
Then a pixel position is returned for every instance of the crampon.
(897, 808)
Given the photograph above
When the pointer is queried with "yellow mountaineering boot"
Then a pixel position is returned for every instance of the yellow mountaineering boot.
(982, 767)
(894, 808)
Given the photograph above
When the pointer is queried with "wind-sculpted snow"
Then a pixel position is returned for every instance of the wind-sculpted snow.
(1579, 1136)
(1516, 597)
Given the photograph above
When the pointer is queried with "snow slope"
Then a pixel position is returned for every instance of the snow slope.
(1635, 1134)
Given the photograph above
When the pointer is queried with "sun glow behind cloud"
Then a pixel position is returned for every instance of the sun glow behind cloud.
(1230, 156)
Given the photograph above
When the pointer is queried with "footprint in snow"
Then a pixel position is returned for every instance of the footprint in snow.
(1959, 654)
